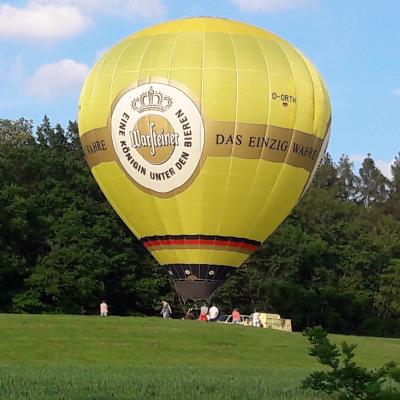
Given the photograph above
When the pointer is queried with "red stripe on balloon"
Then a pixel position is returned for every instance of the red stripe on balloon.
(199, 242)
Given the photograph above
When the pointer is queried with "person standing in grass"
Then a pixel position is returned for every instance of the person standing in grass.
(213, 313)
(203, 313)
(103, 309)
(235, 316)
(256, 319)
(202, 317)
(166, 310)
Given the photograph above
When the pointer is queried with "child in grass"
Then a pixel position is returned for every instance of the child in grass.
(103, 309)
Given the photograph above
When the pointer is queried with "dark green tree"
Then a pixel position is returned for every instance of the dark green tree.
(348, 183)
(326, 175)
(387, 299)
(395, 169)
(374, 186)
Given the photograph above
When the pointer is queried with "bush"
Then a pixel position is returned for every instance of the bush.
(344, 379)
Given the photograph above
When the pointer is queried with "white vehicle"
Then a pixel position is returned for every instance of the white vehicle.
(227, 319)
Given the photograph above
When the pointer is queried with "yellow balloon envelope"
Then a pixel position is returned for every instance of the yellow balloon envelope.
(203, 133)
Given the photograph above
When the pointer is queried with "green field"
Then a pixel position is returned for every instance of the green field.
(75, 357)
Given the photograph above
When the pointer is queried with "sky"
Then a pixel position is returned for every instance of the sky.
(47, 48)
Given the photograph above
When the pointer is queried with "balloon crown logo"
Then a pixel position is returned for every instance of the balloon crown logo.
(158, 136)
(151, 100)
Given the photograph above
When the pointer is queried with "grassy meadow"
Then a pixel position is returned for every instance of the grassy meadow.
(76, 357)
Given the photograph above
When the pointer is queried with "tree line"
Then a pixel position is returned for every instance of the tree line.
(334, 262)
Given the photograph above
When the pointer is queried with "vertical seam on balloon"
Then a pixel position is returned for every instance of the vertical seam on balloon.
(289, 147)
(141, 59)
(103, 188)
(267, 127)
(250, 231)
(94, 81)
(310, 177)
(201, 98)
(314, 113)
(137, 82)
(236, 113)
(117, 208)
(202, 85)
(316, 166)
(174, 190)
(295, 118)
(155, 206)
(122, 53)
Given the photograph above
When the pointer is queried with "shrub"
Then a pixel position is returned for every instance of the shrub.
(344, 379)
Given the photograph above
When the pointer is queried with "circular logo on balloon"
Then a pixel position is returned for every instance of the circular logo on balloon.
(158, 136)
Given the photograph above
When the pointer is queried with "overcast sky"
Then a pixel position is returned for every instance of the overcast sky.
(48, 46)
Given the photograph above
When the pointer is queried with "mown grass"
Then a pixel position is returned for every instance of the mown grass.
(71, 357)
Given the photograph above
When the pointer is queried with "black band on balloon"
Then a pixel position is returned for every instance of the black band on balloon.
(199, 272)
(198, 281)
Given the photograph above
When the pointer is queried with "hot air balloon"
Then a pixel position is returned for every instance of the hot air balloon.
(203, 133)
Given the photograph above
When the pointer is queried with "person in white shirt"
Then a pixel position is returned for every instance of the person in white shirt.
(166, 310)
(213, 313)
(256, 319)
(103, 309)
